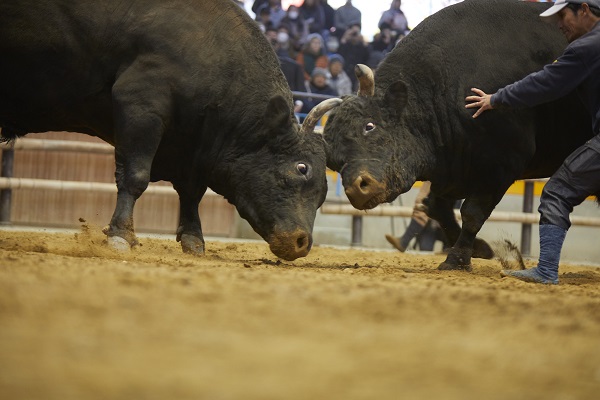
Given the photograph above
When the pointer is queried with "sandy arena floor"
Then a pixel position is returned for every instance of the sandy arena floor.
(78, 321)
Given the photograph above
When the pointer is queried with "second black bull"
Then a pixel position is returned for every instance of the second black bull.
(409, 122)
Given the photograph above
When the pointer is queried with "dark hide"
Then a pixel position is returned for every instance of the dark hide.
(423, 131)
(188, 91)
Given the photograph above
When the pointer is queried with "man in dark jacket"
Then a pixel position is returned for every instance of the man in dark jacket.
(354, 50)
(577, 69)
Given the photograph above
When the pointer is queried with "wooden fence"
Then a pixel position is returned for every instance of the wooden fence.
(79, 170)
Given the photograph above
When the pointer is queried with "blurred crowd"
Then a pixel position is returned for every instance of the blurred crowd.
(318, 46)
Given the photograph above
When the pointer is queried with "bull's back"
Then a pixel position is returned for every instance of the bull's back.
(492, 42)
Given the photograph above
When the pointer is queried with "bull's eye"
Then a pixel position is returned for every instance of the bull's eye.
(302, 168)
(369, 127)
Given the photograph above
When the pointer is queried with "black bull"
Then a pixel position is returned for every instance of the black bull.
(410, 122)
(188, 91)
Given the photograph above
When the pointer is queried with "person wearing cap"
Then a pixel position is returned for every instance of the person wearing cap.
(313, 55)
(578, 68)
(317, 85)
(337, 78)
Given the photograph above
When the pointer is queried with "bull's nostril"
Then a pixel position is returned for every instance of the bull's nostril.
(363, 184)
(301, 242)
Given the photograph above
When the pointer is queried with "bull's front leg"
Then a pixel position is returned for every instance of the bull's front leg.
(189, 231)
(475, 211)
(139, 122)
(132, 176)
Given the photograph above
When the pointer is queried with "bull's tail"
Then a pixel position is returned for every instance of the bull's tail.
(507, 251)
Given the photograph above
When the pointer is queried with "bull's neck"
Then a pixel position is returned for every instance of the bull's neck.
(416, 151)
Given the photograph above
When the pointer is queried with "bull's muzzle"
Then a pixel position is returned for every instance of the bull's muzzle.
(366, 192)
(291, 245)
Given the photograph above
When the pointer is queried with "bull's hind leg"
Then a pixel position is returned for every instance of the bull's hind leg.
(189, 232)
(140, 110)
(475, 211)
(442, 210)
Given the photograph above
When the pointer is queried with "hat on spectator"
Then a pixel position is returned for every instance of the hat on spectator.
(560, 4)
(319, 71)
(336, 58)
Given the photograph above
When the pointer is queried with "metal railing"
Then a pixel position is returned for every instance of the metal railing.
(527, 217)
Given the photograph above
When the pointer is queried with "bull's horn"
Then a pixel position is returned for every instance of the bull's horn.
(308, 126)
(366, 81)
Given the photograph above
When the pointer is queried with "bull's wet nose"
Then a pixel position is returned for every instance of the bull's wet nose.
(290, 246)
(364, 189)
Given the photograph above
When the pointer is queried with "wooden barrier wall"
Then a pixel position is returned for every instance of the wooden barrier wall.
(58, 208)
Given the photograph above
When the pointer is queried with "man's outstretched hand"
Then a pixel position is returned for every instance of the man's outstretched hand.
(482, 101)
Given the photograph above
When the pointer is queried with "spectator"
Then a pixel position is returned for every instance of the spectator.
(276, 13)
(297, 29)
(313, 13)
(291, 69)
(329, 16)
(337, 78)
(285, 41)
(257, 4)
(312, 55)
(346, 16)
(421, 227)
(354, 50)
(396, 19)
(332, 44)
(318, 85)
(383, 42)
(271, 34)
(264, 19)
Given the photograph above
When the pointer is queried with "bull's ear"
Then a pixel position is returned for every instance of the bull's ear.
(396, 97)
(278, 114)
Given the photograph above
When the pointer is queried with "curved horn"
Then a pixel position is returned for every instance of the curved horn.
(309, 123)
(366, 80)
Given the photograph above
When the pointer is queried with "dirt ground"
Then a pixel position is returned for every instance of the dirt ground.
(79, 321)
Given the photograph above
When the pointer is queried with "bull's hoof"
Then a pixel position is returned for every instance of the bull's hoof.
(446, 266)
(457, 260)
(481, 249)
(118, 243)
(191, 244)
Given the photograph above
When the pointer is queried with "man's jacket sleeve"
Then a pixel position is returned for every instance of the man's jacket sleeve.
(554, 81)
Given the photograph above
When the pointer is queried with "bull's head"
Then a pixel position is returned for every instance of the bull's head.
(280, 182)
(363, 143)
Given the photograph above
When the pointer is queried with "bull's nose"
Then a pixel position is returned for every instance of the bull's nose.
(291, 245)
(365, 192)
(303, 243)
